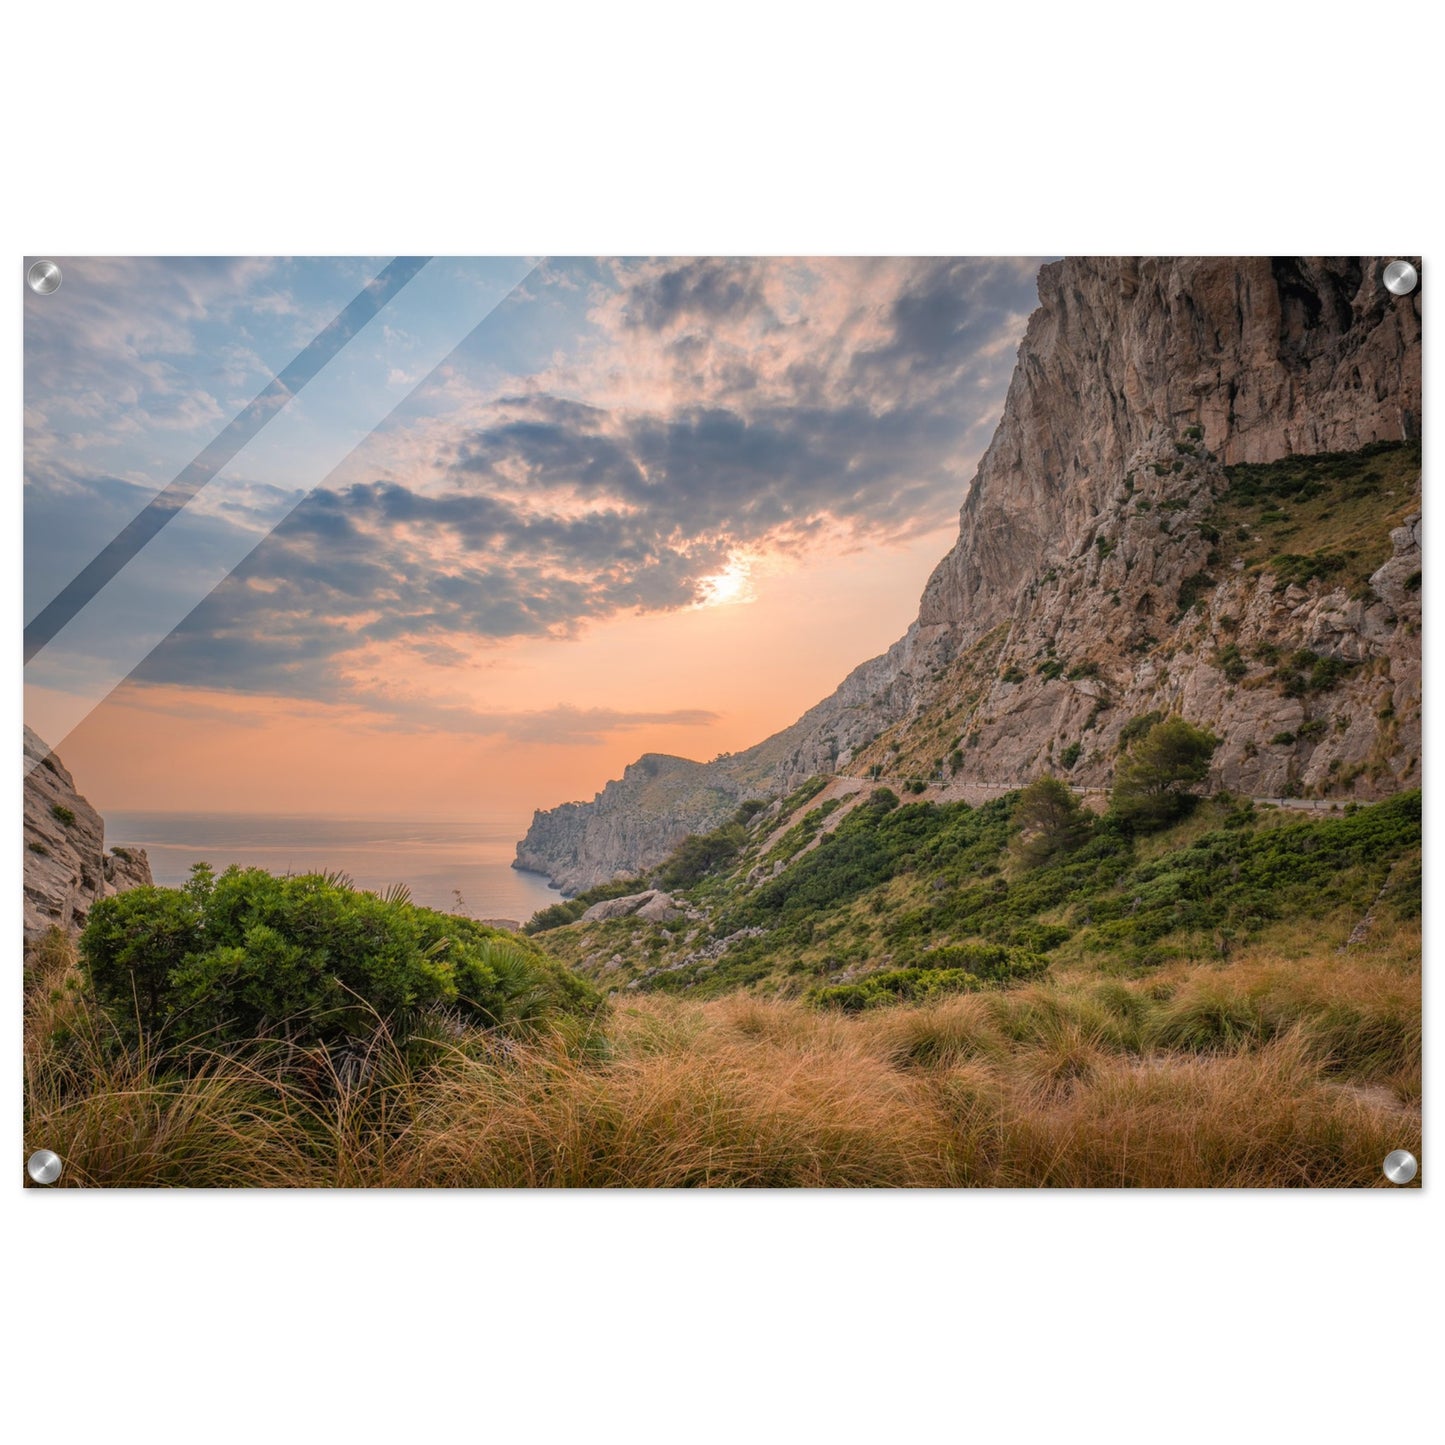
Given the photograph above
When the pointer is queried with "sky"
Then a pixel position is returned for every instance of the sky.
(535, 518)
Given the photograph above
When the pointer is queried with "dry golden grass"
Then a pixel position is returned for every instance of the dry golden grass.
(1262, 1072)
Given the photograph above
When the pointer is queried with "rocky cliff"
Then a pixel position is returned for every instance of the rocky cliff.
(67, 867)
(1202, 496)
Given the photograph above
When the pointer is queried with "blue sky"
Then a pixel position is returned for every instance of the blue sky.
(611, 441)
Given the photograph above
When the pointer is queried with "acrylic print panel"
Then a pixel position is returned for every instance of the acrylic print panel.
(516, 722)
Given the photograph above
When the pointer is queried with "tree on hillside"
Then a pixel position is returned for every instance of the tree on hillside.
(1050, 821)
(1152, 782)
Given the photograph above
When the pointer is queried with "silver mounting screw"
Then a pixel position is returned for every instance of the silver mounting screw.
(1401, 278)
(43, 278)
(1400, 1166)
(44, 1166)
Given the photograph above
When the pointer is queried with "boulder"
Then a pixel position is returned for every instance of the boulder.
(654, 905)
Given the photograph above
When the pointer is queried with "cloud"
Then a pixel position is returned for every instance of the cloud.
(703, 411)
(560, 725)
(389, 706)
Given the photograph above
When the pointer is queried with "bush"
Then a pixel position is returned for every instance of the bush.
(961, 968)
(248, 953)
(1136, 727)
(900, 985)
(990, 961)
(701, 853)
(1230, 661)
(555, 915)
(63, 814)
(558, 915)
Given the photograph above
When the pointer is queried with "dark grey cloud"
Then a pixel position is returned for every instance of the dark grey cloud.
(707, 289)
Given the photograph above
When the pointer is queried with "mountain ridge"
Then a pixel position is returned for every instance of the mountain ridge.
(1104, 566)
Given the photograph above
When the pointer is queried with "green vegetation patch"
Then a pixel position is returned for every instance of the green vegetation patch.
(1324, 518)
(308, 958)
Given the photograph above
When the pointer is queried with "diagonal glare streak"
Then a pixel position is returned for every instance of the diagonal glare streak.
(54, 744)
(242, 428)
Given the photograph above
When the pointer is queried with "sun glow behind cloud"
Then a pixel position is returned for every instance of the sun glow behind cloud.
(726, 588)
(657, 506)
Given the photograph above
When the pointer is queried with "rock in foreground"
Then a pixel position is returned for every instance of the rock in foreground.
(67, 868)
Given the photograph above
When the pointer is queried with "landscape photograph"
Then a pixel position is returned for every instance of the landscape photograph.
(771, 722)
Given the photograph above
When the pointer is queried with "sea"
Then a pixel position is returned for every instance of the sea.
(455, 866)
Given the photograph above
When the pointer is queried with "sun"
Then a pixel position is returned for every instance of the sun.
(732, 584)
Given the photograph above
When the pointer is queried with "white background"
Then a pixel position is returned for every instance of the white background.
(275, 128)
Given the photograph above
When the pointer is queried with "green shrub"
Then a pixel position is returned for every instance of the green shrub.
(901, 985)
(235, 957)
(993, 962)
(571, 909)
(1230, 661)
(700, 854)
(1136, 727)
(557, 915)
(63, 814)
(1293, 569)
(1190, 591)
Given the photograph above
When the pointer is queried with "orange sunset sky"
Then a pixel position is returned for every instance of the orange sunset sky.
(642, 506)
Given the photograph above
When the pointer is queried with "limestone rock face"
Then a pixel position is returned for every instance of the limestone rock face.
(66, 865)
(1085, 587)
(1270, 357)
(633, 823)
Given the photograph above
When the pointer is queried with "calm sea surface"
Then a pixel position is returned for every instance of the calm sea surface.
(433, 859)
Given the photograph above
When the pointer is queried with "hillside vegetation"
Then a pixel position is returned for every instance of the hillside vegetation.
(921, 897)
(858, 991)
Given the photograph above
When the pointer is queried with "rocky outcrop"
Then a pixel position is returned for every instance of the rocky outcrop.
(67, 867)
(634, 822)
(1090, 582)
(653, 905)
